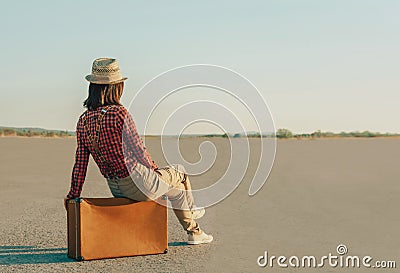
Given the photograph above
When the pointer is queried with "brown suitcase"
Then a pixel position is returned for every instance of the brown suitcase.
(115, 227)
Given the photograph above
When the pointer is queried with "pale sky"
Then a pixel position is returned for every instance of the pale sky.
(328, 65)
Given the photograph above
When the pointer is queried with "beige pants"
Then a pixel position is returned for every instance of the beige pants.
(145, 184)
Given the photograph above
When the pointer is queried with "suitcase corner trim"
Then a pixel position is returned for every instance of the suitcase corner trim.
(74, 229)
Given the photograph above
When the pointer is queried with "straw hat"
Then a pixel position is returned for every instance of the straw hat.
(105, 71)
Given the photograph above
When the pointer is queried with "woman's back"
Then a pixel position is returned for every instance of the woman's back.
(109, 133)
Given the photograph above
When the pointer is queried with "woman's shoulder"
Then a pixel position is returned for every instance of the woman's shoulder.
(113, 110)
(118, 111)
(81, 119)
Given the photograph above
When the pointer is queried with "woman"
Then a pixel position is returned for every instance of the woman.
(107, 132)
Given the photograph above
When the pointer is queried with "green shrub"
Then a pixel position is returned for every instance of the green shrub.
(49, 134)
(9, 132)
(284, 133)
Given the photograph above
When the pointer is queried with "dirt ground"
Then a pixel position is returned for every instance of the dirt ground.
(320, 193)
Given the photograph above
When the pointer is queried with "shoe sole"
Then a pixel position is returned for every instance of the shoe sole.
(200, 242)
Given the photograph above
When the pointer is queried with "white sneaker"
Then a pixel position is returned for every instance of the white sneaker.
(197, 213)
(201, 238)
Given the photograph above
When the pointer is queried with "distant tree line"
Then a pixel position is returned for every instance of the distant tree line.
(287, 134)
(280, 133)
(34, 133)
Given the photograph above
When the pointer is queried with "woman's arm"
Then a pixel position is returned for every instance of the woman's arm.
(80, 167)
(133, 142)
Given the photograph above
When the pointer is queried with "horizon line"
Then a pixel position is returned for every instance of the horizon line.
(250, 133)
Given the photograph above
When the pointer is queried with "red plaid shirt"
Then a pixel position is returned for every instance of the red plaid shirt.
(110, 146)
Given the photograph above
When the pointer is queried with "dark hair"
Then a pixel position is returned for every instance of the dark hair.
(103, 94)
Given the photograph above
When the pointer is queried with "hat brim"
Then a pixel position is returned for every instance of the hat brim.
(93, 79)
